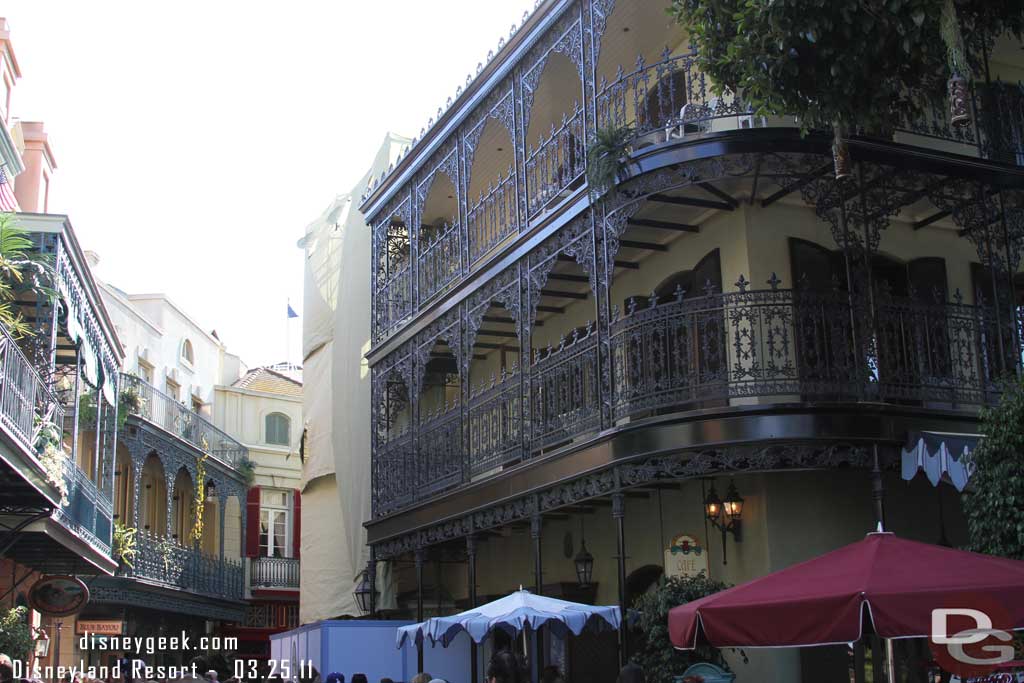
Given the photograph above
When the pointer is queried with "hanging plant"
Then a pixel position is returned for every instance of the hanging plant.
(124, 544)
(129, 402)
(196, 534)
(247, 468)
(51, 456)
(606, 157)
(87, 410)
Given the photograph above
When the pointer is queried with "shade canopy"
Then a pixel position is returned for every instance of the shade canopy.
(512, 614)
(883, 582)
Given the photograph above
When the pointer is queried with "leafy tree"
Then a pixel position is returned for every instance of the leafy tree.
(995, 503)
(655, 653)
(15, 634)
(841, 63)
(21, 270)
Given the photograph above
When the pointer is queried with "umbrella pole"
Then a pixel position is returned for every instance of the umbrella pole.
(890, 662)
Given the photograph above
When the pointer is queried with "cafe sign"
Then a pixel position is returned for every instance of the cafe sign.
(58, 596)
(102, 627)
(685, 557)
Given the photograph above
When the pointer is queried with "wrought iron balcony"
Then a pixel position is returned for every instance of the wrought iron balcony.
(713, 350)
(26, 405)
(174, 417)
(274, 572)
(161, 561)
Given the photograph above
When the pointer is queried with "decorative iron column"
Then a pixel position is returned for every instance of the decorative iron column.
(371, 568)
(471, 577)
(221, 512)
(75, 399)
(419, 556)
(536, 522)
(619, 515)
(877, 489)
(1011, 267)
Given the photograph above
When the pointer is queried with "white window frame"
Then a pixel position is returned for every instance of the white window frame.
(273, 510)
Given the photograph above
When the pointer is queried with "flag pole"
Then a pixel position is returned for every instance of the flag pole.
(288, 332)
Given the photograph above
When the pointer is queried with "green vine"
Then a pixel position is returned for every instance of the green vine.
(196, 534)
(124, 544)
(165, 547)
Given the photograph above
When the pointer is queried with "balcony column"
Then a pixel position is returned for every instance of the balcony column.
(419, 556)
(136, 465)
(1011, 267)
(221, 510)
(471, 580)
(619, 515)
(97, 453)
(536, 525)
(169, 511)
(74, 403)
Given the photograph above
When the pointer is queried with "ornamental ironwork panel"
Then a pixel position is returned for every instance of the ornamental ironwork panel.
(669, 99)
(556, 166)
(438, 460)
(393, 478)
(159, 560)
(492, 217)
(392, 269)
(496, 423)
(564, 390)
(439, 259)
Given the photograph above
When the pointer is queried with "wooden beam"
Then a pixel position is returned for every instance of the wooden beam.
(649, 246)
(568, 278)
(934, 218)
(724, 196)
(628, 265)
(507, 321)
(691, 201)
(496, 333)
(768, 201)
(560, 294)
(662, 225)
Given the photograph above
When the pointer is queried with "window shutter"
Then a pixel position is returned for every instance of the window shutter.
(252, 522)
(297, 523)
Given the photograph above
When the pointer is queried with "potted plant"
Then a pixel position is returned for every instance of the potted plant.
(607, 157)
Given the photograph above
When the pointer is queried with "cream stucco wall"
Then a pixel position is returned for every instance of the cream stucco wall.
(241, 413)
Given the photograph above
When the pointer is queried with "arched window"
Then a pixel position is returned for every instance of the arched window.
(277, 428)
(188, 354)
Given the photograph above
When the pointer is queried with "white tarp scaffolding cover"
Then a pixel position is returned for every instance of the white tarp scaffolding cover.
(336, 402)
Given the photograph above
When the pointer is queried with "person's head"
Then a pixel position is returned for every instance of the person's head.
(438, 680)
(631, 673)
(504, 668)
(199, 665)
(335, 677)
(422, 677)
(6, 668)
(550, 674)
(386, 680)
(359, 678)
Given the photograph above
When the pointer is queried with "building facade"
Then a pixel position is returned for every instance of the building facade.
(552, 363)
(263, 409)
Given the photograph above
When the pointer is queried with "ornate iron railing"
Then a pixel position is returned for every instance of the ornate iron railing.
(162, 561)
(564, 390)
(440, 260)
(174, 417)
(493, 217)
(439, 453)
(495, 424)
(558, 162)
(667, 100)
(274, 572)
(394, 300)
(392, 466)
(282, 615)
(87, 512)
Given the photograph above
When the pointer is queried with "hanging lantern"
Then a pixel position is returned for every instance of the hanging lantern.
(584, 565)
(841, 156)
(959, 101)
(363, 593)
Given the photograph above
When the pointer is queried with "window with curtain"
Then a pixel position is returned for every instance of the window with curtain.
(277, 429)
(274, 513)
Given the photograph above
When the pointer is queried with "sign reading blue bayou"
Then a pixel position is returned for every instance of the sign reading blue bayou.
(685, 556)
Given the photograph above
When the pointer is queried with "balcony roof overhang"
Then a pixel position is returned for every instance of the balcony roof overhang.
(52, 548)
(851, 423)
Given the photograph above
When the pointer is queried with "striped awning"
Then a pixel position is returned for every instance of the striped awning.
(941, 456)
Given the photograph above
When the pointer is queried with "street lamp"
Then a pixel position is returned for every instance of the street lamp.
(363, 593)
(42, 643)
(584, 562)
(732, 506)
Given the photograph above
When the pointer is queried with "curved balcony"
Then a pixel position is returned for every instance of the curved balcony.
(163, 562)
(182, 422)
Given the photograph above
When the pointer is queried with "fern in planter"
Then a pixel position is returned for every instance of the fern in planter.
(607, 157)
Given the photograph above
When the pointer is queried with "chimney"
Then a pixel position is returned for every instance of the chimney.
(32, 186)
(92, 258)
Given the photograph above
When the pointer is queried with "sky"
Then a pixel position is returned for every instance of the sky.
(196, 139)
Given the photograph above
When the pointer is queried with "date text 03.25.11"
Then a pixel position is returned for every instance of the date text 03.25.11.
(282, 669)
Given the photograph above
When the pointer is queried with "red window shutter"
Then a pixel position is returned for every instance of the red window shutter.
(297, 525)
(252, 522)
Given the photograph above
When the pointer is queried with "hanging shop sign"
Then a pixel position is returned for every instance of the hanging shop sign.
(685, 556)
(103, 627)
(58, 596)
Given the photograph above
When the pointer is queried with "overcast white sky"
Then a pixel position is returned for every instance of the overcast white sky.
(196, 139)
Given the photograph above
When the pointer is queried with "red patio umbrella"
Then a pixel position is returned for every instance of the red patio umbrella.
(887, 582)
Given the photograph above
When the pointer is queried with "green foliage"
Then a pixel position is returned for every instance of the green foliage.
(247, 468)
(15, 633)
(606, 157)
(124, 544)
(656, 655)
(129, 402)
(995, 502)
(22, 270)
(835, 63)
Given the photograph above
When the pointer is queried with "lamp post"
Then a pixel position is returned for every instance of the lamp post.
(732, 507)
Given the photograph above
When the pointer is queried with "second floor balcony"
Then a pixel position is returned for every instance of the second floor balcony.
(274, 573)
(163, 562)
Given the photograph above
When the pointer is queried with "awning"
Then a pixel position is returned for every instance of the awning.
(940, 455)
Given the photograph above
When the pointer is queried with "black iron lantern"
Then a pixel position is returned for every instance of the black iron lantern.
(363, 593)
(584, 562)
(733, 503)
(713, 506)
